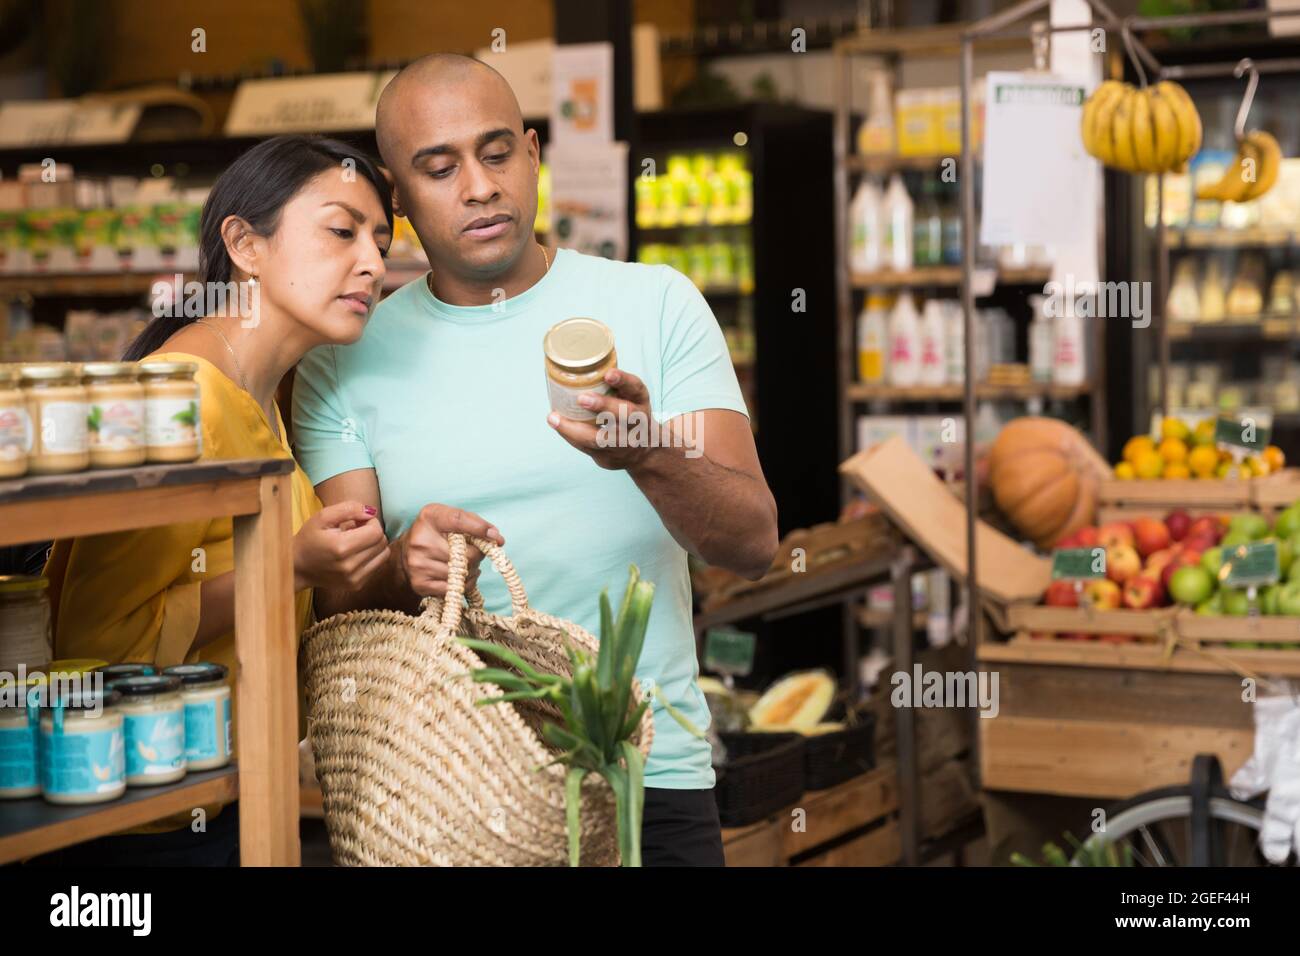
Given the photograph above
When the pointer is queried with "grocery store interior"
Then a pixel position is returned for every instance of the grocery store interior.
(1011, 293)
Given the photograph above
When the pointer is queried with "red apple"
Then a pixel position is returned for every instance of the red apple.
(1069, 541)
(1206, 527)
(1199, 542)
(1102, 594)
(1156, 560)
(1089, 536)
(1150, 536)
(1061, 594)
(1115, 533)
(1143, 591)
(1178, 522)
(1122, 562)
(1185, 558)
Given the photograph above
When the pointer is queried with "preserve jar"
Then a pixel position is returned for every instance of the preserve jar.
(113, 672)
(207, 713)
(57, 407)
(154, 719)
(578, 354)
(19, 739)
(171, 411)
(15, 424)
(25, 636)
(82, 750)
(116, 417)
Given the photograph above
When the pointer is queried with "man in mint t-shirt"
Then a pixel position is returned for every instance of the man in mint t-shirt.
(439, 417)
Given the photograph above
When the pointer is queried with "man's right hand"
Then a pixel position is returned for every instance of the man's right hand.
(423, 553)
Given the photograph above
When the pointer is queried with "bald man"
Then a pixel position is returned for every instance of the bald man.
(439, 417)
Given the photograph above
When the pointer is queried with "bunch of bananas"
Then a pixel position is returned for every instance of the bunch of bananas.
(1252, 172)
(1152, 130)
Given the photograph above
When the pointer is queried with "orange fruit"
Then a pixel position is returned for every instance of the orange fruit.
(1275, 458)
(1176, 469)
(1202, 461)
(1224, 469)
(1148, 464)
(1173, 450)
(1124, 471)
(1256, 467)
(1136, 445)
(1174, 428)
(1204, 432)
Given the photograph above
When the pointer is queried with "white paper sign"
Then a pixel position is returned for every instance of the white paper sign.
(306, 104)
(1033, 160)
(589, 198)
(63, 122)
(582, 96)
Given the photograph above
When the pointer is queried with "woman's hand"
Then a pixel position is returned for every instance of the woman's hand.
(338, 547)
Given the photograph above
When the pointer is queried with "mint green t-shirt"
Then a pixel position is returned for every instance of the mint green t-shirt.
(449, 403)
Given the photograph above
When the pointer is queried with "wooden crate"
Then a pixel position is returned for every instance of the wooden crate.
(1124, 500)
(1038, 618)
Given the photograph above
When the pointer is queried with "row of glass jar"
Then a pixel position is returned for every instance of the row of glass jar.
(59, 417)
(86, 731)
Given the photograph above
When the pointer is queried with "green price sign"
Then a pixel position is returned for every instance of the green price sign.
(728, 651)
(1244, 432)
(1250, 565)
(1078, 564)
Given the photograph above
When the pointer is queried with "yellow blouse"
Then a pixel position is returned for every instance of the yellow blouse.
(133, 596)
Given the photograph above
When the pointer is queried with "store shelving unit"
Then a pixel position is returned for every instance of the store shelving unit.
(256, 494)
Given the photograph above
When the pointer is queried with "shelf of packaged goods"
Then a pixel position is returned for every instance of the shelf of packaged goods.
(954, 393)
(1261, 328)
(1217, 238)
(943, 276)
(674, 227)
(891, 163)
(31, 827)
(85, 284)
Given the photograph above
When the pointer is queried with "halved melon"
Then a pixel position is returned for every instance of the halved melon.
(795, 702)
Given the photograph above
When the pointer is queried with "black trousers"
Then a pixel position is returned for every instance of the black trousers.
(680, 828)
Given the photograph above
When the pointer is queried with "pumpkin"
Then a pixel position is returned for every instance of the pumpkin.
(796, 702)
(1045, 476)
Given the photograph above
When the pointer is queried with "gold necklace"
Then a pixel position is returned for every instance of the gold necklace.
(545, 258)
(243, 382)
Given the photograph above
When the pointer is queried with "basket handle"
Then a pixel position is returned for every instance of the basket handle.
(458, 570)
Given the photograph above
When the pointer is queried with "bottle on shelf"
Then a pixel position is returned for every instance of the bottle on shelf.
(1184, 303)
(1041, 341)
(898, 231)
(876, 134)
(954, 342)
(1214, 294)
(866, 228)
(904, 343)
(933, 365)
(873, 339)
(1069, 358)
(927, 230)
(950, 227)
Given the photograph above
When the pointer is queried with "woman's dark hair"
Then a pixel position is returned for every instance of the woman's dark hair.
(256, 187)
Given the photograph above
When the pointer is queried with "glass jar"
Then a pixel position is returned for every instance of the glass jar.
(112, 672)
(57, 407)
(24, 623)
(116, 417)
(578, 354)
(19, 740)
(154, 717)
(15, 424)
(82, 751)
(207, 714)
(171, 411)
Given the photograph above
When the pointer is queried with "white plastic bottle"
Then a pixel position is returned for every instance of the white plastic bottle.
(954, 348)
(873, 340)
(898, 230)
(933, 363)
(1041, 341)
(1069, 363)
(904, 343)
(865, 228)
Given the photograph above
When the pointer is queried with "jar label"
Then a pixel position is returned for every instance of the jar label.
(76, 764)
(205, 731)
(117, 425)
(63, 428)
(15, 432)
(18, 766)
(155, 743)
(564, 400)
(171, 421)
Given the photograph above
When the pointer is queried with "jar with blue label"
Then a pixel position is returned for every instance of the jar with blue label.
(20, 714)
(83, 748)
(154, 722)
(207, 713)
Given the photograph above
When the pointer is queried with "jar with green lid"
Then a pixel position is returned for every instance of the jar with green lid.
(25, 636)
(154, 721)
(15, 424)
(57, 406)
(83, 747)
(207, 714)
(171, 411)
(116, 418)
(20, 739)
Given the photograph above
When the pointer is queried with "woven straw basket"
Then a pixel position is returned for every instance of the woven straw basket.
(411, 771)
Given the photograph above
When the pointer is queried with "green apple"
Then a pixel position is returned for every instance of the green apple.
(1191, 585)
(1284, 552)
(1212, 560)
(1213, 607)
(1268, 599)
(1288, 522)
(1288, 599)
(1235, 602)
(1235, 539)
(1293, 572)
(1253, 526)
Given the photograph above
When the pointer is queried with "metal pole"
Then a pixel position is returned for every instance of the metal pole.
(1203, 70)
(1162, 283)
(909, 777)
(968, 309)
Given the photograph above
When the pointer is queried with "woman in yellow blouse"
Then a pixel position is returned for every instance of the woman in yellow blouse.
(303, 224)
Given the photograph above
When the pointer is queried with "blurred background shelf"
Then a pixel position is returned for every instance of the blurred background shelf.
(941, 276)
(953, 393)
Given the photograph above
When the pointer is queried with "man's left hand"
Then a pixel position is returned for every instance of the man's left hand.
(627, 403)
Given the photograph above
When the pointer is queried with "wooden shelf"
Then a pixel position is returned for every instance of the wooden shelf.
(1216, 238)
(858, 392)
(1259, 329)
(941, 276)
(31, 827)
(890, 163)
(85, 284)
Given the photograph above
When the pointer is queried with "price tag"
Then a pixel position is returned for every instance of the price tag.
(1078, 564)
(1245, 432)
(1251, 565)
(729, 651)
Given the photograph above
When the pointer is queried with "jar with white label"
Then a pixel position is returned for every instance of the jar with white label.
(578, 354)
(15, 424)
(58, 408)
(83, 747)
(154, 718)
(20, 739)
(24, 623)
(116, 418)
(171, 411)
(207, 714)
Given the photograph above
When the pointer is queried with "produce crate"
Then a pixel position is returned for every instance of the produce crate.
(1040, 619)
(1122, 500)
(831, 759)
(763, 773)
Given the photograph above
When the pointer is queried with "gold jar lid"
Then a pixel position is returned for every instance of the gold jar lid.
(168, 369)
(578, 343)
(110, 370)
(51, 372)
(21, 584)
(10, 375)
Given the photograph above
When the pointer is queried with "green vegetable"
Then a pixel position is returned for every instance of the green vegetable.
(598, 718)
(1099, 853)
